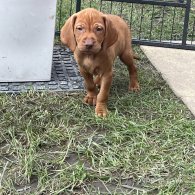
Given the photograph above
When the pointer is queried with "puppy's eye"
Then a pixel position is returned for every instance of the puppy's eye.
(99, 29)
(79, 28)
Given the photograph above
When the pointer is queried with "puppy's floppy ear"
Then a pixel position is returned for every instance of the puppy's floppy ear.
(111, 34)
(67, 33)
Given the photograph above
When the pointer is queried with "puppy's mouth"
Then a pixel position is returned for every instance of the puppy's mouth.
(88, 52)
(91, 51)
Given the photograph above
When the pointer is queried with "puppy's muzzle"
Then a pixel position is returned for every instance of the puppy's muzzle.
(88, 43)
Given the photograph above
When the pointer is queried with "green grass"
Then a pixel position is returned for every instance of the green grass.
(51, 143)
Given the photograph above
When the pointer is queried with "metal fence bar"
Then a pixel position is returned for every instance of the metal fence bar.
(162, 23)
(71, 7)
(151, 23)
(121, 9)
(186, 22)
(60, 15)
(111, 7)
(173, 24)
(141, 20)
(101, 5)
(78, 5)
(163, 44)
(131, 16)
(193, 31)
(150, 2)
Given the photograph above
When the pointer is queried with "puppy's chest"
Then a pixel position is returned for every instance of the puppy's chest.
(91, 65)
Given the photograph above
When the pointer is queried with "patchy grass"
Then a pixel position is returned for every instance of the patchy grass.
(50, 143)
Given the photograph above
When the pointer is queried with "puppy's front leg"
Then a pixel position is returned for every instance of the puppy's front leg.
(102, 98)
(90, 86)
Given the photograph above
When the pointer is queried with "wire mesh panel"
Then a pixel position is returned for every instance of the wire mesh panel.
(153, 22)
(65, 8)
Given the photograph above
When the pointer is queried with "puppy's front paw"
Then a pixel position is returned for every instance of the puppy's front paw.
(134, 87)
(91, 100)
(97, 81)
(101, 110)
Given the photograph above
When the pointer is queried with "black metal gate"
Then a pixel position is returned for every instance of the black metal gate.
(164, 23)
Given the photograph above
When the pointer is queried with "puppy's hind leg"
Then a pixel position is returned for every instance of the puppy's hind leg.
(127, 58)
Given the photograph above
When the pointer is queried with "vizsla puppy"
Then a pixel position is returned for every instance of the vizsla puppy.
(96, 39)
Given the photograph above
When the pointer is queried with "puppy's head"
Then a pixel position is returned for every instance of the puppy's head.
(89, 30)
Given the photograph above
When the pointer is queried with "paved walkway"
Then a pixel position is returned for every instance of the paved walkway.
(178, 69)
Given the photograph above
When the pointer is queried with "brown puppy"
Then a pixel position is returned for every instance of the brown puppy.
(96, 40)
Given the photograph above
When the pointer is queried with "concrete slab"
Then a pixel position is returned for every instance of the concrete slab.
(178, 69)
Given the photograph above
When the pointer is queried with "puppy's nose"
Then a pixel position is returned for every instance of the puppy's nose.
(88, 43)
